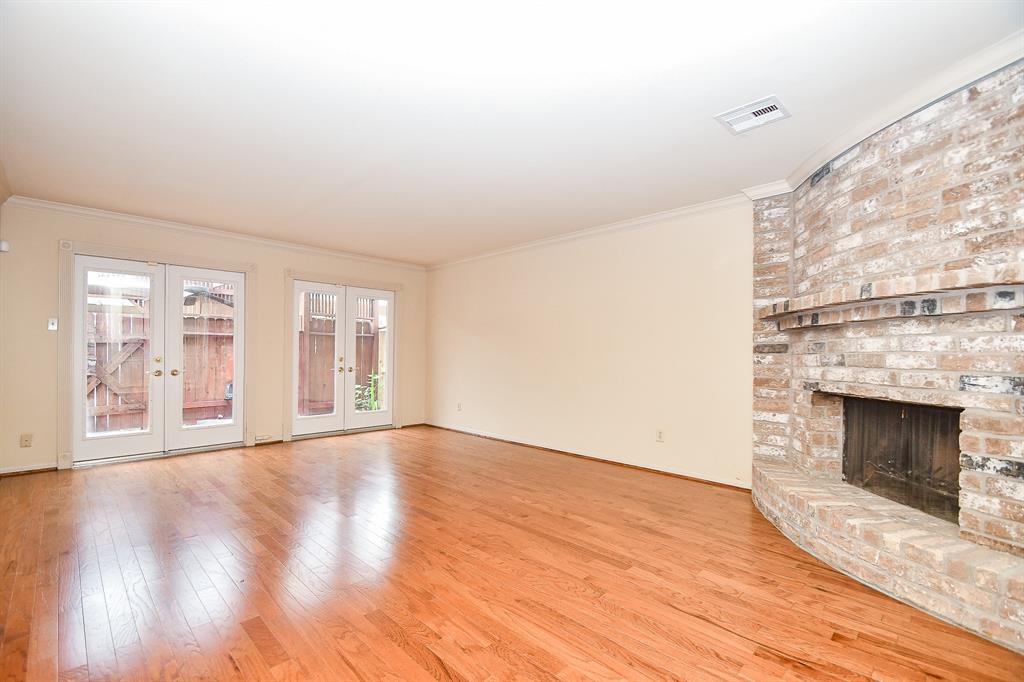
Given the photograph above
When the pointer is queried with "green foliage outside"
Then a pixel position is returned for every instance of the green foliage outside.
(367, 398)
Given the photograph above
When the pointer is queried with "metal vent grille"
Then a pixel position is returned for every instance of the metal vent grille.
(759, 113)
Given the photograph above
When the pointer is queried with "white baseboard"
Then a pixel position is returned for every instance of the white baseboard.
(520, 441)
(26, 468)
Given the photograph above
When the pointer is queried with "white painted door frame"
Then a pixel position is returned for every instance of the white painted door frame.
(165, 431)
(180, 436)
(365, 419)
(335, 421)
(344, 417)
(129, 442)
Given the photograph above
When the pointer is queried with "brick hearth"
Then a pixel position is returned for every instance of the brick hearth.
(897, 272)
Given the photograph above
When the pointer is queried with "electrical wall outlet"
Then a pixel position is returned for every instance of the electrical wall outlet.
(659, 436)
(458, 407)
(25, 440)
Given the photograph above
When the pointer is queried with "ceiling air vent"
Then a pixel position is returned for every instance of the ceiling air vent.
(759, 113)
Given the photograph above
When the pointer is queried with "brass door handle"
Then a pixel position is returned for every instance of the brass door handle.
(175, 372)
(158, 372)
(350, 369)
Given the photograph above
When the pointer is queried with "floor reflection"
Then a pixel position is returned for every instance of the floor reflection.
(417, 554)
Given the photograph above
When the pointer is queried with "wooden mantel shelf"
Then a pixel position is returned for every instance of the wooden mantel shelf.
(951, 280)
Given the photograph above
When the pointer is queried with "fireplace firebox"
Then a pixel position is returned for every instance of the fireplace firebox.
(907, 453)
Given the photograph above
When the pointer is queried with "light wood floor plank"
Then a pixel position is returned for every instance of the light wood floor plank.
(423, 554)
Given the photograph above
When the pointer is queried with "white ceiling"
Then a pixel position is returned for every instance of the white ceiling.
(427, 132)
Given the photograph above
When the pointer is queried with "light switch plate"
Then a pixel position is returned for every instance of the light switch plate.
(51, 324)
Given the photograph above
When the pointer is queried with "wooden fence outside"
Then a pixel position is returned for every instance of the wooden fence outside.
(118, 357)
(118, 349)
(318, 356)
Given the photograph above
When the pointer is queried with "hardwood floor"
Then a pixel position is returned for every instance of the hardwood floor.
(423, 553)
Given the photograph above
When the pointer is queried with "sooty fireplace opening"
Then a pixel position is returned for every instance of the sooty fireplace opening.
(907, 453)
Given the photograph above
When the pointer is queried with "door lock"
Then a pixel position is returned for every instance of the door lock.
(158, 372)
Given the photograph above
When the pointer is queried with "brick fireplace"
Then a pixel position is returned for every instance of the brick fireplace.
(896, 273)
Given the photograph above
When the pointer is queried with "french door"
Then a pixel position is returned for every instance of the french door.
(342, 358)
(158, 358)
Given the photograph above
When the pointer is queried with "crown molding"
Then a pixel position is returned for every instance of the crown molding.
(768, 189)
(620, 226)
(141, 221)
(960, 75)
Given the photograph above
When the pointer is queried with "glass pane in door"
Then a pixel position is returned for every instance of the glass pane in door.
(371, 354)
(208, 352)
(318, 323)
(117, 346)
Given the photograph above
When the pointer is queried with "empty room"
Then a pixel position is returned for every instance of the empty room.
(495, 341)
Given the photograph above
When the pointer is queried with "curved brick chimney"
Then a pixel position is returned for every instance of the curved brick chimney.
(897, 273)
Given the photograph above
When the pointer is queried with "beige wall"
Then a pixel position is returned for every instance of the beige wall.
(29, 295)
(535, 344)
(590, 345)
